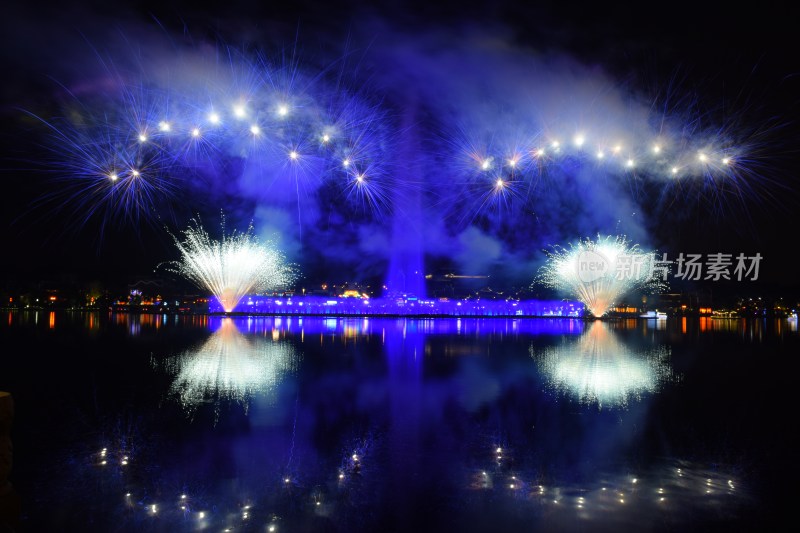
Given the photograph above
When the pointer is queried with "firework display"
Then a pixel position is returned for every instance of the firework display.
(149, 141)
(383, 184)
(231, 267)
(600, 272)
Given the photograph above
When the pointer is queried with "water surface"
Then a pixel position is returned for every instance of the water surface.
(187, 423)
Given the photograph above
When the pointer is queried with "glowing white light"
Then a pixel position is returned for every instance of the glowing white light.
(318, 503)
(674, 170)
(326, 138)
(293, 155)
(215, 119)
(702, 157)
(355, 457)
(164, 126)
(579, 140)
(103, 462)
(341, 476)
(271, 528)
(726, 160)
(286, 480)
(512, 162)
(629, 163)
(153, 509)
(113, 176)
(183, 496)
(656, 149)
(600, 155)
(239, 111)
(232, 267)
(360, 178)
(499, 450)
(283, 110)
(599, 369)
(201, 515)
(540, 152)
(500, 183)
(511, 486)
(135, 173)
(142, 138)
(254, 129)
(617, 149)
(196, 132)
(485, 164)
(230, 366)
(346, 163)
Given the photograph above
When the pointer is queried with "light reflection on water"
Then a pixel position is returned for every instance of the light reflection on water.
(600, 368)
(359, 422)
(665, 495)
(230, 366)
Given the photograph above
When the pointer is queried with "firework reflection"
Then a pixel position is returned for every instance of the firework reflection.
(599, 368)
(230, 366)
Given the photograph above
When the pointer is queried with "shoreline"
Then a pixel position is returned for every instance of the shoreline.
(418, 316)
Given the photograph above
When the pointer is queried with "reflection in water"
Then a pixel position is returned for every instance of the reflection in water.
(667, 495)
(403, 425)
(600, 368)
(230, 366)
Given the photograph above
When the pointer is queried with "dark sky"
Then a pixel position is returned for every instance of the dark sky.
(727, 61)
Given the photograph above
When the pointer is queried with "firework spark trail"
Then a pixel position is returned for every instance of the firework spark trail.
(512, 153)
(602, 271)
(232, 267)
(154, 138)
(289, 125)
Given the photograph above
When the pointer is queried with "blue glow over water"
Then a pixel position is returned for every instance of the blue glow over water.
(203, 423)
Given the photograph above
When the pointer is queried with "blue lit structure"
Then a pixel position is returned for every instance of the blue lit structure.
(401, 306)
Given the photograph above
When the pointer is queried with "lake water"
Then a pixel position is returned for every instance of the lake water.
(189, 423)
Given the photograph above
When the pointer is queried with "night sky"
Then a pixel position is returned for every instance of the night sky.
(733, 70)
